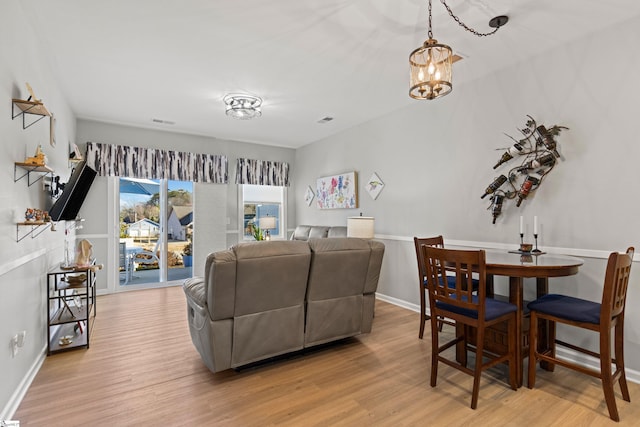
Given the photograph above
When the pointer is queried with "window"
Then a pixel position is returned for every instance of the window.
(260, 201)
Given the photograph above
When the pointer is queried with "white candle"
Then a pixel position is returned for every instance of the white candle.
(535, 224)
(521, 225)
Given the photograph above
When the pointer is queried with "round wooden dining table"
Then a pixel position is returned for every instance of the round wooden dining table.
(518, 266)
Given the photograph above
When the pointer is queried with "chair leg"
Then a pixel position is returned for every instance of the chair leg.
(512, 343)
(551, 330)
(619, 355)
(434, 351)
(605, 371)
(423, 312)
(423, 320)
(477, 372)
(533, 343)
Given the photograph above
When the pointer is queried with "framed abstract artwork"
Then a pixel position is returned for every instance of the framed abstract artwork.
(308, 196)
(337, 191)
(374, 186)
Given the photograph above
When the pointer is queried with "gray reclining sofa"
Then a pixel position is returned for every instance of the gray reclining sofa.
(261, 299)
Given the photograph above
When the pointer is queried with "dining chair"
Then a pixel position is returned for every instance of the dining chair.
(438, 242)
(419, 243)
(473, 310)
(598, 317)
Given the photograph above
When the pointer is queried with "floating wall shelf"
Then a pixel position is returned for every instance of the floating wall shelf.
(36, 228)
(32, 108)
(29, 168)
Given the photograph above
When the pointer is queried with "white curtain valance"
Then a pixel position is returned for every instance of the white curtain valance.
(153, 163)
(262, 172)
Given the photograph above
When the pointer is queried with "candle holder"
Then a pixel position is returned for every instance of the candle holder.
(536, 250)
(521, 239)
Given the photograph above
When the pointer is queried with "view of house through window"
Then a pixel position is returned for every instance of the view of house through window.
(144, 209)
(262, 201)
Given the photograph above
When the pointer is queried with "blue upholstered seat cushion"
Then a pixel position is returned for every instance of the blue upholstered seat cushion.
(493, 308)
(567, 307)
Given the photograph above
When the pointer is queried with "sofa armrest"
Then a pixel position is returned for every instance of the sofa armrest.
(375, 264)
(196, 295)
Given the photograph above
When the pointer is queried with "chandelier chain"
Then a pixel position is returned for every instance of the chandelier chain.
(462, 24)
(430, 33)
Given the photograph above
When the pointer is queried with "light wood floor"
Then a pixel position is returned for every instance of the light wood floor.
(142, 370)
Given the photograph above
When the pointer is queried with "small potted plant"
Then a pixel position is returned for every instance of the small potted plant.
(258, 234)
(187, 255)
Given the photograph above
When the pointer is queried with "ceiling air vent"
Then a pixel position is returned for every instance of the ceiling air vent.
(163, 122)
(324, 120)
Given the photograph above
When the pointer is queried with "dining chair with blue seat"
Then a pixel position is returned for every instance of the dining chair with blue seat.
(600, 317)
(469, 308)
(438, 242)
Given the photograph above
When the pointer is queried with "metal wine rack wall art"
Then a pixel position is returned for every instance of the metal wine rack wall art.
(538, 154)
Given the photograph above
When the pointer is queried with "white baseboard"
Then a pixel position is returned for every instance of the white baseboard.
(16, 398)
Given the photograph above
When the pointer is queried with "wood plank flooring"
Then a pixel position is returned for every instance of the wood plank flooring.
(142, 370)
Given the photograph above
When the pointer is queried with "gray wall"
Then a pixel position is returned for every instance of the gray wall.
(23, 265)
(436, 159)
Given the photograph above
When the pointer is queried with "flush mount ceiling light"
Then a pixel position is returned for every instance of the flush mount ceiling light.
(431, 63)
(243, 107)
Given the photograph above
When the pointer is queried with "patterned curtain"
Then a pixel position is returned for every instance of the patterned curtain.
(151, 163)
(262, 172)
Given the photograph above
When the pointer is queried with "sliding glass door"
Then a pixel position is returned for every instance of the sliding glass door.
(156, 226)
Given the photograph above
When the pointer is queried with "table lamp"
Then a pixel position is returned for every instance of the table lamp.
(267, 223)
(360, 226)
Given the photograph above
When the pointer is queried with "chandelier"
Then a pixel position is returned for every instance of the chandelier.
(430, 64)
(243, 107)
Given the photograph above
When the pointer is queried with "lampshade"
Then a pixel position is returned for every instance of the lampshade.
(430, 67)
(360, 226)
(243, 107)
(268, 222)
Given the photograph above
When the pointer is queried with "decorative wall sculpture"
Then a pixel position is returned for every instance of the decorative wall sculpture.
(538, 151)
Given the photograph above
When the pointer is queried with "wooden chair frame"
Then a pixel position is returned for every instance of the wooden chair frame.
(448, 302)
(611, 317)
(419, 243)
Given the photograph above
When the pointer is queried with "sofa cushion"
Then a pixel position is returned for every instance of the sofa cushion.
(306, 232)
(301, 232)
(318, 232)
(337, 231)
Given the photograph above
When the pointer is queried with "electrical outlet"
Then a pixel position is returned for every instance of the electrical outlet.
(14, 346)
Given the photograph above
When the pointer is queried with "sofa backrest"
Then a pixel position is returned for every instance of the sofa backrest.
(235, 279)
(306, 232)
(270, 275)
(342, 280)
(271, 283)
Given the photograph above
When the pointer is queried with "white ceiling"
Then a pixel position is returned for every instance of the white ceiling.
(131, 61)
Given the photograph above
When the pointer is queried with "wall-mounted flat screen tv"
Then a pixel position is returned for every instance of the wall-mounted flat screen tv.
(75, 190)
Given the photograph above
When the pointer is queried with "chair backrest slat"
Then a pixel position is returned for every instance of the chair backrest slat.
(438, 261)
(616, 282)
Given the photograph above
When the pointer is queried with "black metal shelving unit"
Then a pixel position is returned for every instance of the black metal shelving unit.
(71, 309)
